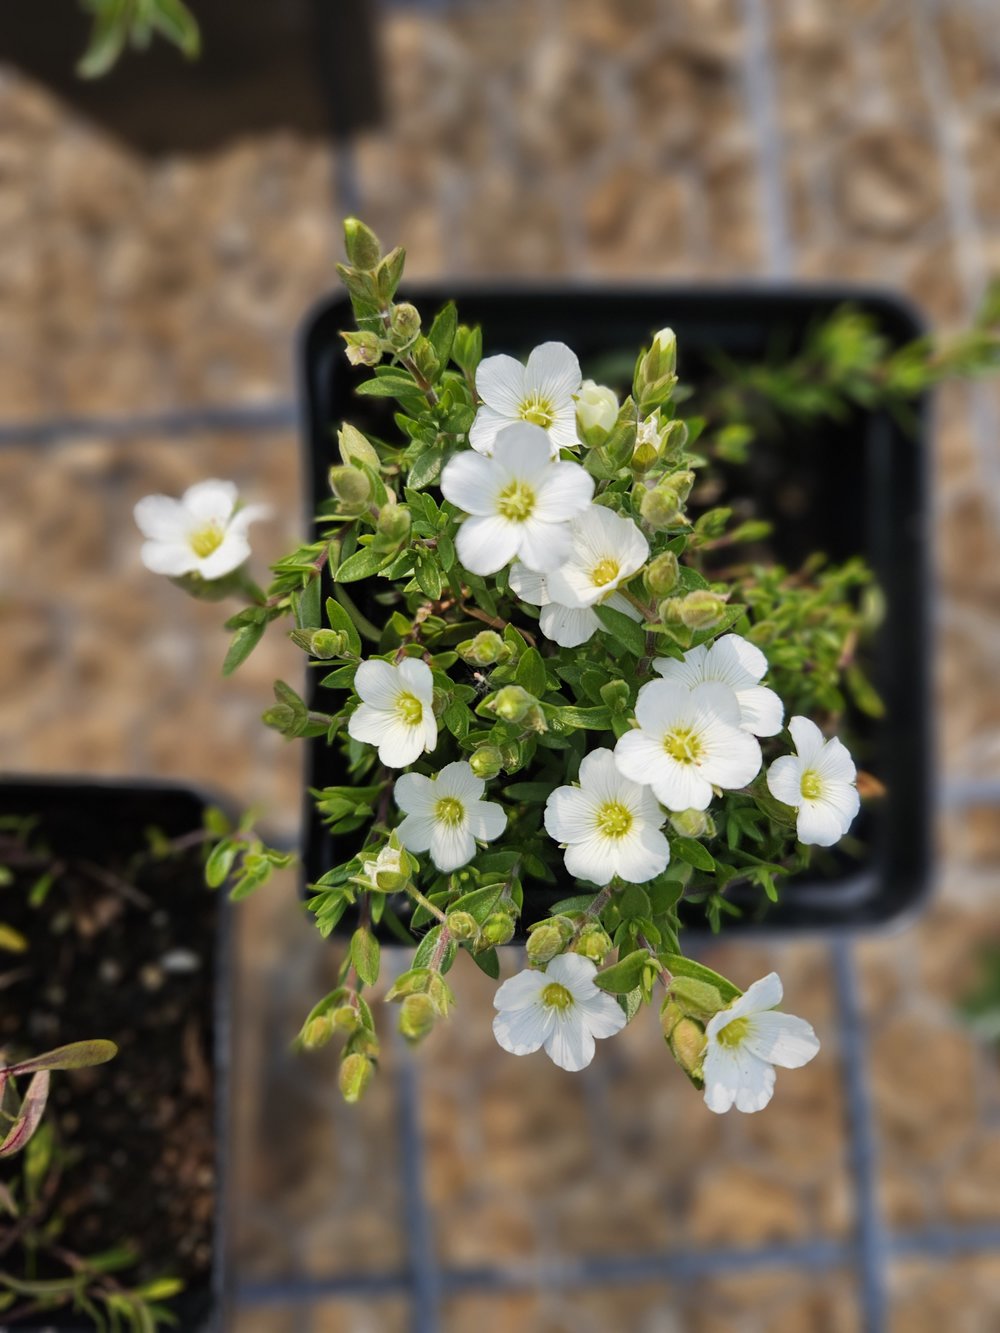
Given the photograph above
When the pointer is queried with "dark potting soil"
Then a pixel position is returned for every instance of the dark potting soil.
(124, 952)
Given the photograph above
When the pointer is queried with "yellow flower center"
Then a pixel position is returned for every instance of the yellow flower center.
(409, 708)
(539, 411)
(449, 811)
(683, 745)
(203, 541)
(516, 502)
(604, 572)
(555, 996)
(614, 819)
(734, 1033)
(811, 785)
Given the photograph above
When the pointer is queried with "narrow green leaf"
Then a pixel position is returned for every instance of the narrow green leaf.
(220, 862)
(693, 852)
(679, 966)
(76, 1055)
(244, 641)
(624, 975)
(365, 955)
(530, 673)
(623, 628)
(361, 565)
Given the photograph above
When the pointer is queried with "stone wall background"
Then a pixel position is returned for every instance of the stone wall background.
(700, 139)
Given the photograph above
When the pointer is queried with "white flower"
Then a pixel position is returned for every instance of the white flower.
(606, 550)
(201, 533)
(609, 825)
(688, 741)
(446, 814)
(738, 664)
(520, 501)
(560, 1009)
(396, 712)
(596, 407)
(745, 1041)
(819, 781)
(540, 392)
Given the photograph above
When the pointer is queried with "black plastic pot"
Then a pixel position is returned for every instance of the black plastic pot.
(105, 823)
(854, 487)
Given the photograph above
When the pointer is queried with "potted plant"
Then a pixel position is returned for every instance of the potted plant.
(107, 929)
(577, 667)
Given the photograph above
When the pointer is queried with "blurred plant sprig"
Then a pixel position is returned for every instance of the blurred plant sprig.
(119, 23)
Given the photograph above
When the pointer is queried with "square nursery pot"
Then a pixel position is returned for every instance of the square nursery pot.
(852, 487)
(136, 954)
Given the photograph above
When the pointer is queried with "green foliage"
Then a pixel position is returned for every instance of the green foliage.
(118, 23)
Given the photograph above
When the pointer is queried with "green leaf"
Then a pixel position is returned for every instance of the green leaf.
(76, 1055)
(306, 606)
(394, 385)
(590, 719)
(244, 641)
(427, 468)
(442, 332)
(624, 975)
(176, 22)
(428, 577)
(361, 565)
(679, 966)
(530, 673)
(338, 618)
(107, 39)
(488, 962)
(220, 862)
(365, 955)
(623, 628)
(693, 852)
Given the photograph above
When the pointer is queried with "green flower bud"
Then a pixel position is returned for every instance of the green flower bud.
(394, 523)
(327, 643)
(702, 609)
(655, 371)
(687, 1042)
(661, 573)
(693, 823)
(512, 755)
(416, 1017)
(361, 243)
(512, 703)
(486, 762)
(670, 1015)
(355, 1074)
(698, 999)
(317, 1032)
(594, 943)
(363, 348)
(665, 348)
(345, 1018)
(404, 322)
(615, 694)
(350, 485)
(463, 925)
(280, 717)
(682, 482)
(544, 942)
(498, 928)
(486, 649)
(440, 993)
(661, 507)
(596, 412)
(355, 448)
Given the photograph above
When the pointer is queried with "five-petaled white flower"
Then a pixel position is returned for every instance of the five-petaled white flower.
(606, 551)
(740, 665)
(745, 1041)
(540, 392)
(688, 741)
(560, 1009)
(396, 712)
(609, 825)
(201, 533)
(446, 814)
(819, 781)
(520, 502)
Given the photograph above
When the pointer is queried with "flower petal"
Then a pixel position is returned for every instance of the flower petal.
(603, 1015)
(784, 779)
(761, 710)
(574, 972)
(485, 545)
(378, 684)
(522, 451)
(569, 626)
(529, 585)
(756, 1086)
(808, 738)
(485, 428)
(642, 855)
(593, 859)
(415, 831)
(416, 675)
(470, 482)
(242, 519)
(500, 384)
(564, 491)
(782, 1039)
(451, 846)
(821, 823)
(722, 1078)
(457, 779)
(170, 558)
(569, 815)
(486, 820)
(835, 763)
(543, 546)
(369, 724)
(735, 661)
(415, 794)
(553, 371)
(570, 1044)
(232, 551)
(524, 1030)
(761, 996)
(211, 501)
(161, 518)
(520, 990)
(637, 755)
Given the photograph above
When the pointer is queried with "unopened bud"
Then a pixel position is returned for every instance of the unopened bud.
(345, 1018)
(615, 694)
(363, 348)
(594, 943)
(440, 994)
(701, 609)
(693, 823)
(512, 703)
(670, 1015)
(361, 243)
(512, 754)
(485, 649)
(327, 643)
(661, 573)
(486, 762)
(665, 348)
(280, 717)
(350, 485)
(355, 1074)
(544, 942)
(498, 928)
(354, 448)
(687, 1042)
(394, 522)
(655, 370)
(317, 1032)
(596, 411)
(405, 322)
(698, 999)
(416, 1017)
(661, 507)
(462, 925)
